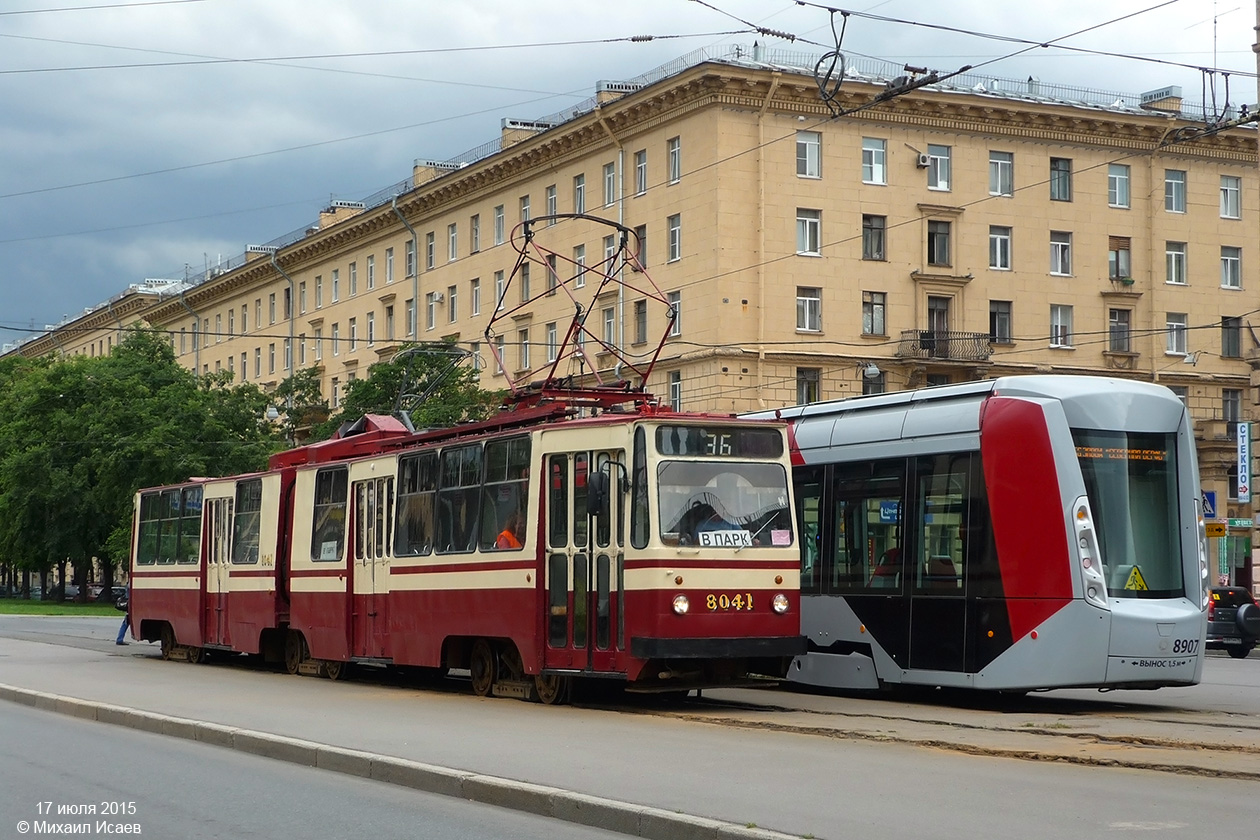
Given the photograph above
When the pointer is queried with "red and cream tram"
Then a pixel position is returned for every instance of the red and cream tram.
(1016, 534)
(578, 533)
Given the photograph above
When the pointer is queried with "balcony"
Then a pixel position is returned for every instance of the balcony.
(944, 345)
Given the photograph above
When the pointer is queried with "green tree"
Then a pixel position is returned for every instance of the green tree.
(437, 390)
(299, 404)
(79, 436)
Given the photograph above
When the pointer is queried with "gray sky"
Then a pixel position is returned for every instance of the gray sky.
(112, 174)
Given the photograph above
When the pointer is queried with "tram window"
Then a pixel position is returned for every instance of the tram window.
(558, 600)
(328, 534)
(603, 521)
(505, 497)
(150, 529)
(558, 500)
(581, 520)
(640, 525)
(603, 626)
(168, 539)
(417, 487)
(941, 510)
(982, 576)
(190, 527)
(808, 505)
(372, 499)
(247, 521)
(457, 499)
(867, 527)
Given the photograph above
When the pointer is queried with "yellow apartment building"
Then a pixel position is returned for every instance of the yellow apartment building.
(968, 229)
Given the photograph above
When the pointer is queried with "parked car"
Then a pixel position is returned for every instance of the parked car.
(70, 592)
(1233, 621)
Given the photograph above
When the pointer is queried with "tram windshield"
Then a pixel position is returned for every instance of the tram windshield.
(724, 504)
(1131, 481)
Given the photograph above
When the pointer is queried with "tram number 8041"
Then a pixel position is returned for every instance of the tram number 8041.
(738, 601)
(1185, 645)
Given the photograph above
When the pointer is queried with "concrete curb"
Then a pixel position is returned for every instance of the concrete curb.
(580, 808)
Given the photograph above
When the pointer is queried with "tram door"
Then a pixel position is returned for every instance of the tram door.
(584, 557)
(217, 528)
(373, 525)
(937, 604)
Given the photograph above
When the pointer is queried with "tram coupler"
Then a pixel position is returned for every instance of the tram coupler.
(520, 689)
(310, 668)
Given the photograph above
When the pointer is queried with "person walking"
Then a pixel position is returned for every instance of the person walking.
(126, 622)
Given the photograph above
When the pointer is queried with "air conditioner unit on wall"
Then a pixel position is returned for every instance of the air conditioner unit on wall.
(924, 160)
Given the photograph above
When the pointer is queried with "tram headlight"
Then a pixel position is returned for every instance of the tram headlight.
(780, 603)
(681, 604)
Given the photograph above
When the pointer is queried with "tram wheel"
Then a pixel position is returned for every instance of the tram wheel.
(553, 689)
(168, 641)
(196, 655)
(335, 669)
(482, 667)
(294, 651)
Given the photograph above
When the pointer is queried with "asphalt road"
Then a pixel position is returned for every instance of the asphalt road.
(797, 783)
(184, 790)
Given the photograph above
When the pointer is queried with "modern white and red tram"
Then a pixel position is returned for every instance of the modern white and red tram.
(1017, 534)
(632, 543)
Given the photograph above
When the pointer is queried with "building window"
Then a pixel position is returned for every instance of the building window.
(257, 362)
(474, 296)
(1175, 256)
(873, 308)
(579, 263)
(808, 385)
(371, 329)
(675, 237)
(1000, 321)
(640, 239)
(1231, 337)
(1118, 330)
(999, 247)
(371, 272)
(430, 310)
(1175, 190)
(354, 334)
(522, 338)
(579, 193)
(1118, 185)
(873, 230)
(808, 154)
(430, 250)
(673, 159)
(675, 302)
(640, 321)
(1182, 393)
(319, 345)
(232, 319)
(1231, 197)
(498, 225)
(474, 233)
(523, 280)
(1119, 258)
(409, 258)
(552, 342)
(640, 172)
(1231, 406)
(336, 392)
(271, 310)
(808, 232)
(874, 155)
(499, 290)
(675, 390)
(610, 325)
(1060, 325)
(877, 384)
(452, 303)
(553, 276)
(1176, 325)
(452, 242)
(524, 205)
(353, 268)
(1060, 252)
(938, 167)
(411, 316)
(1060, 179)
(1231, 267)
(336, 285)
(389, 323)
(938, 243)
(218, 328)
(808, 309)
(389, 266)
(336, 339)
(610, 184)
(1001, 173)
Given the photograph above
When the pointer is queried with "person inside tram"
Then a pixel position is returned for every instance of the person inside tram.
(513, 534)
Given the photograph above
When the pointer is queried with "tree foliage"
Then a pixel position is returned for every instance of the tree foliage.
(79, 435)
(455, 396)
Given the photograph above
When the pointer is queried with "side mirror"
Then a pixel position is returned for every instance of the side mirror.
(597, 494)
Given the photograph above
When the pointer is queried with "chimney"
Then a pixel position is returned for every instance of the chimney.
(517, 131)
(606, 92)
(424, 171)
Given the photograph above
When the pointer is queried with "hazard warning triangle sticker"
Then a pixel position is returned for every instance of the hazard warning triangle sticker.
(1135, 580)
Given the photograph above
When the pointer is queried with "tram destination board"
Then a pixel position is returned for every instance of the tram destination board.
(730, 441)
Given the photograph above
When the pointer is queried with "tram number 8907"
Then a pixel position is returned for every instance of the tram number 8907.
(737, 601)
(1185, 645)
